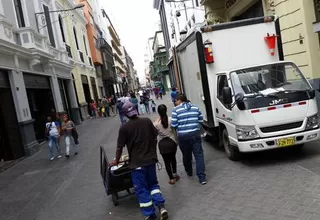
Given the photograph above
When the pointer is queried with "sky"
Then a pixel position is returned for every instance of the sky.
(135, 21)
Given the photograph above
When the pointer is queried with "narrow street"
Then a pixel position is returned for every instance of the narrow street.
(270, 185)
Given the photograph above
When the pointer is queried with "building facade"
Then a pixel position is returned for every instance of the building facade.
(160, 73)
(35, 74)
(74, 36)
(297, 21)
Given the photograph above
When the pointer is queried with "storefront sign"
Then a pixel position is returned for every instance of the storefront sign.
(229, 3)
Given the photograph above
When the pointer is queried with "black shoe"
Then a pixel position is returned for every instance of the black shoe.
(76, 153)
(189, 174)
(67, 156)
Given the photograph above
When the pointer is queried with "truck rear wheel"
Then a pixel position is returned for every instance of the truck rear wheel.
(231, 151)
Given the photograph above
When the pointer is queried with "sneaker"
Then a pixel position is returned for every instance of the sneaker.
(52, 158)
(67, 156)
(59, 156)
(153, 217)
(172, 182)
(163, 214)
(203, 182)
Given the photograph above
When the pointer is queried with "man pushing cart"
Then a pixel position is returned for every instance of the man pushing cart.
(142, 161)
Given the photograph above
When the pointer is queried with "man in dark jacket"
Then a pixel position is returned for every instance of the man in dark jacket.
(140, 137)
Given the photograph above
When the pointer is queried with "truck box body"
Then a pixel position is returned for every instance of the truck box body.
(271, 103)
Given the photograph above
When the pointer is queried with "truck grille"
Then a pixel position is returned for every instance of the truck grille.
(282, 127)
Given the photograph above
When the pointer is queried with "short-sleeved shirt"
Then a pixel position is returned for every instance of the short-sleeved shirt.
(53, 128)
(140, 137)
(68, 125)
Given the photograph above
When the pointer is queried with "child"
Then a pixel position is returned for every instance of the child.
(142, 108)
(153, 106)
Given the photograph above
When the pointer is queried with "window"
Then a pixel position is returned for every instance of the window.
(61, 29)
(49, 25)
(19, 12)
(85, 44)
(222, 82)
(75, 37)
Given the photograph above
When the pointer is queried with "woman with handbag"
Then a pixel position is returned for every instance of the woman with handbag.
(70, 134)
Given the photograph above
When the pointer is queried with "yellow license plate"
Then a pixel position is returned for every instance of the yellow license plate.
(285, 142)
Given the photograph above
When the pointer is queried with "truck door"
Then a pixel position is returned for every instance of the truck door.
(223, 112)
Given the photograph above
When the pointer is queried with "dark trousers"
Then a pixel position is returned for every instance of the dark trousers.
(147, 189)
(107, 112)
(192, 144)
(170, 163)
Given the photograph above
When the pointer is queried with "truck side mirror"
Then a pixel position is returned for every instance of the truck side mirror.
(239, 101)
(227, 96)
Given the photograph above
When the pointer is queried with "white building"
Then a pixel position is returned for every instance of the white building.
(34, 73)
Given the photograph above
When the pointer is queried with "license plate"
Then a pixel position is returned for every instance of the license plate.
(285, 142)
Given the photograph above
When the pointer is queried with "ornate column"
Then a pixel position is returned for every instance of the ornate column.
(215, 11)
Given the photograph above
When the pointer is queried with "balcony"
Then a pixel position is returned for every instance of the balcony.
(103, 45)
(81, 56)
(316, 24)
(30, 39)
(116, 48)
(114, 36)
(68, 49)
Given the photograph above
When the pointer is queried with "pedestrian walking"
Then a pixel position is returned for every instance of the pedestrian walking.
(186, 119)
(53, 133)
(140, 137)
(142, 108)
(153, 106)
(112, 105)
(135, 102)
(120, 111)
(106, 107)
(174, 95)
(93, 108)
(70, 135)
(167, 143)
(160, 92)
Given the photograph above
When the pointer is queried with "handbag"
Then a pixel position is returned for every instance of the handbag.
(75, 136)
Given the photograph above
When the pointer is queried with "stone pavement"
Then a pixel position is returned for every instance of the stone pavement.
(274, 185)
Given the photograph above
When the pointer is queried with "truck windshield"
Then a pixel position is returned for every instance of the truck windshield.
(269, 79)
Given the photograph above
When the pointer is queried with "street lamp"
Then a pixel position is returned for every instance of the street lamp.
(46, 14)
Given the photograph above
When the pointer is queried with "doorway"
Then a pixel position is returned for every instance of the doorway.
(86, 91)
(11, 146)
(41, 101)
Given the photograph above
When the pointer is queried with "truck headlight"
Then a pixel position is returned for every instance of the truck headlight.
(246, 132)
(312, 122)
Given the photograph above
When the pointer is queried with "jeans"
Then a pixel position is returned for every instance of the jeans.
(122, 118)
(54, 140)
(94, 113)
(147, 189)
(147, 107)
(192, 144)
(107, 111)
(68, 140)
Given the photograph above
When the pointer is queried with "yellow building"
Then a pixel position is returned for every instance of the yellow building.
(300, 43)
(74, 34)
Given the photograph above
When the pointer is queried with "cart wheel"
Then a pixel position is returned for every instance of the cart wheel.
(115, 199)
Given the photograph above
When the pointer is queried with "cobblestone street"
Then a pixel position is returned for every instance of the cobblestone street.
(280, 184)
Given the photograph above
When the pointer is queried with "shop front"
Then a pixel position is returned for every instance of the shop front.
(11, 147)
(41, 102)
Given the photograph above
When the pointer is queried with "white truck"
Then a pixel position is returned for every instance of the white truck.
(251, 99)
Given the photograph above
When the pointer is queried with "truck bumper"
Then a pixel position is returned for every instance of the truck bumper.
(272, 142)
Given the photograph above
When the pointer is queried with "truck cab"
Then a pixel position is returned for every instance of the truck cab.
(264, 107)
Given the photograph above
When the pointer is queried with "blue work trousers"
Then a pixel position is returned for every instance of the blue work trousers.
(147, 189)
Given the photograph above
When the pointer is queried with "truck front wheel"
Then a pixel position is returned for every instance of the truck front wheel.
(231, 151)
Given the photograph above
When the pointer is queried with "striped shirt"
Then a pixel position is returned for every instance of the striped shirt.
(186, 118)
